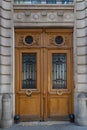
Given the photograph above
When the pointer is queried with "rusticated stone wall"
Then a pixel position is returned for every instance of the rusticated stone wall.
(80, 50)
(5, 48)
(81, 27)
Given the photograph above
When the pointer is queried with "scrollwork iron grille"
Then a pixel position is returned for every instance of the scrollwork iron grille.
(59, 71)
(29, 71)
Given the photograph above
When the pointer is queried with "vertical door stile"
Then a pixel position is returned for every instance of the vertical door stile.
(17, 79)
(42, 81)
(45, 59)
(72, 80)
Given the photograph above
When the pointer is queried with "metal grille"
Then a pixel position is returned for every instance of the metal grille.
(29, 71)
(59, 71)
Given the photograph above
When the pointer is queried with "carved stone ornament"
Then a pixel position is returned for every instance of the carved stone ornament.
(36, 16)
(20, 16)
(51, 16)
(27, 13)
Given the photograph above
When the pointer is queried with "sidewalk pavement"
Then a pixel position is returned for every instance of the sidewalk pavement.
(46, 126)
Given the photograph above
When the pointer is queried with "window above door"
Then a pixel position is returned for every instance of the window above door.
(43, 1)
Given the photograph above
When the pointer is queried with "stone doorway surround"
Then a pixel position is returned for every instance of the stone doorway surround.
(21, 16)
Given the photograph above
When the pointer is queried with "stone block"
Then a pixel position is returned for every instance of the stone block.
(5, 32)
(82, 78)
(6, 88)
(5, 69)
(82, 60)
(5, 51)
(82, 41)
(82, 50)
(6, 41)
(5, 79)
(86, 12)
(80, 5)
(86, 21)
(6, 14)
(6, 5)
(6, 23)
(82, 69)
(82, 87)
(81, 32)
(80, 14)
(81, 23)
(6, 60)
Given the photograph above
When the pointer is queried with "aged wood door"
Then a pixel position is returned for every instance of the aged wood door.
(44, 74)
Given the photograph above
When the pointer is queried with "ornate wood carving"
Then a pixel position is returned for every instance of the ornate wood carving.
(37, 36)
(20, 39)
(67, 39)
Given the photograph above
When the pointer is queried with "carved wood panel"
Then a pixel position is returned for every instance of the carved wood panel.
(44, 38)
(67, 40)
(20, 39)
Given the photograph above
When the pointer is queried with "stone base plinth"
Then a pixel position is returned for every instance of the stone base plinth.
(81, 121)
(6, 123)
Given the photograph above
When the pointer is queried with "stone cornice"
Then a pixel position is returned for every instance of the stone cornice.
(41, 7)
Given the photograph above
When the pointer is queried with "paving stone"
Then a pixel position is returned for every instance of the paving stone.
(46, 126)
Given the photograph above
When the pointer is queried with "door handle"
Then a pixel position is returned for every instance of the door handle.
(28, 92)
(60, 92)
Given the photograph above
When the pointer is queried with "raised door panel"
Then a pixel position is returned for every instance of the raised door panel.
(28, 38)
(58, 106)
(29, 106)
(59, 38)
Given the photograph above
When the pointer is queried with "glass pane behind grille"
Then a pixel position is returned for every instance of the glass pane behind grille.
(59, 71)
(44, 1)
(51, 1)
(29, 71)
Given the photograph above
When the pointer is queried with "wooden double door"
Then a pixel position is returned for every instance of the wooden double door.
(43, 74)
